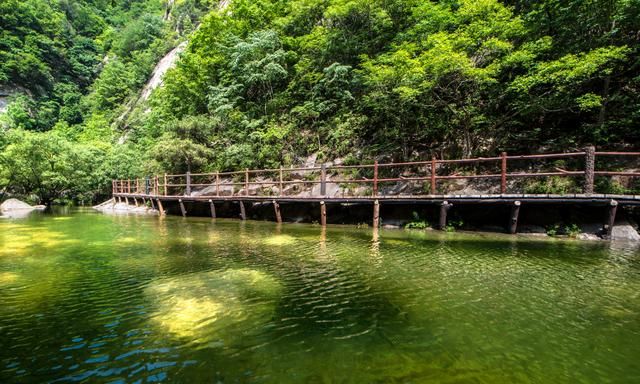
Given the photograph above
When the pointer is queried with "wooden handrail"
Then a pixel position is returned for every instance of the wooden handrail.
(320, 173)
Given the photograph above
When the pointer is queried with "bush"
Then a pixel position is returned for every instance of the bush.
(417, 223)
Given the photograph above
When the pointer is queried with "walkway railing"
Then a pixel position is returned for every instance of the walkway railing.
(428, 175)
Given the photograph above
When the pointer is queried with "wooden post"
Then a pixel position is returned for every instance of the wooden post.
(188, 184)
(126, 199)
(376, 214)
(323, 214)
(589, 168)
(160, 207)
(444, 207)
(276, 208)
(513, 218)
(433, 175)
(611, 218)
(156, 186)
(135, 201)
(129, 186)
(246, 181)
(243, 213)
(147, 185)
(137, 185)
(503, 174)
(113, 187)
(281, 185)
(153, 205)
(165, 185)
(323, 179)
(217, 184)
(375, 179)
(182, 208)
(212, 206)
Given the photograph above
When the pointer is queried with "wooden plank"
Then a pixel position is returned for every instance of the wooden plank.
(376, 214)
(323, 214)
(611, 218)
(160, 207)
(503, 179)
(433, 175)
(182, 208)
(188, 180)
(276, 208)
(513, 218)
(246, 182)
(375, 178)
(165, 185)
(243, 212)
(589, 168)
(280, 187)
(212, 207)
(323, 180)
(442, 220)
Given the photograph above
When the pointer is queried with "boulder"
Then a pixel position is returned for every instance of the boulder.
(112, 207)
(624, 231)
(17, 205)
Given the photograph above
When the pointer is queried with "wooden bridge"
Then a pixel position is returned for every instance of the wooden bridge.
(418, 182)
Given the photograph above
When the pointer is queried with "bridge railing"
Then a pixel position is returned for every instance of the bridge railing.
(416, 177)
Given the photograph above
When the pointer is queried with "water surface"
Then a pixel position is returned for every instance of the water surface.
(87, 297)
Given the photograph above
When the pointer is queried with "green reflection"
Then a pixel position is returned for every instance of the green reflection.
(202, 301)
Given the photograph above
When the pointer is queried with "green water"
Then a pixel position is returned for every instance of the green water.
(87, 297)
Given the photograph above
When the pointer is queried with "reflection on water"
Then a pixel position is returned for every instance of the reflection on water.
(95, 298)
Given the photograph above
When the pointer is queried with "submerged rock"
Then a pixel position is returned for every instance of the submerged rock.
(214, 306)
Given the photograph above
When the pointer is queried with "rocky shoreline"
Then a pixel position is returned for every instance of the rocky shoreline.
(111, 206)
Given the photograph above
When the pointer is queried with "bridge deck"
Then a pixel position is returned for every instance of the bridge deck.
(592, 199)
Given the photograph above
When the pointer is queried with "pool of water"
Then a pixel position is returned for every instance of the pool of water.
(86, 297)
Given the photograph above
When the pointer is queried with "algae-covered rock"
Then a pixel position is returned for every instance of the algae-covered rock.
(216, 305)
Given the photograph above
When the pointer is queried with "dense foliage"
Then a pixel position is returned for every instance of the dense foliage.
(265, 82)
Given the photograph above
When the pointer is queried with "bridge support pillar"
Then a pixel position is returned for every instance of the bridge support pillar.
(243, 212)
(126, 199)
(513, 218)
(153, 205)
(376, 214)
(323, 214)
(160, 207)
(276, 208)
(444, 208)
(135, 201)
(212, 207)
(611, 218)
(182, 208)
